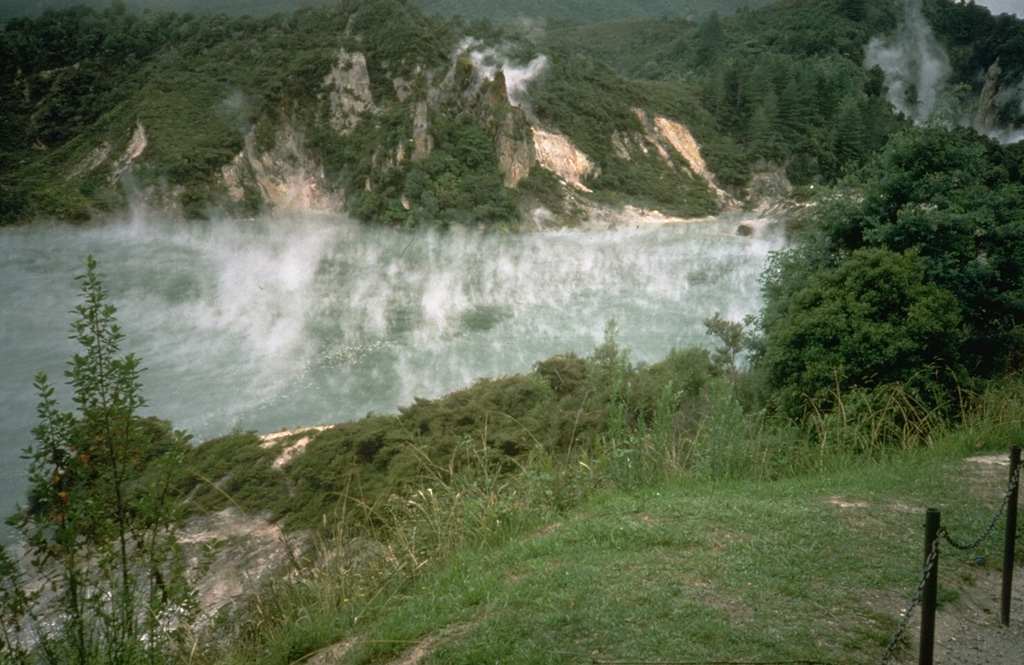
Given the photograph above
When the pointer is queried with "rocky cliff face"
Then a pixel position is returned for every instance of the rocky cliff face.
(671, 141)
(348, 86)
(287, 177)
(512, 133)
(557, 154)
(100, 157)
(394, 135)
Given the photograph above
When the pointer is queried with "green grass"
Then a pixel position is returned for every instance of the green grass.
(693, 571)
(813, 566)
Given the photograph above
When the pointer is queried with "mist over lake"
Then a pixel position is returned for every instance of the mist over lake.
(272, 324)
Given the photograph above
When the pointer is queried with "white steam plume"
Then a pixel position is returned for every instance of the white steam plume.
(917, 77)
(916, 66)
(488, 61)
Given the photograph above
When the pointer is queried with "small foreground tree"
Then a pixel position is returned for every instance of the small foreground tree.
(108, 577)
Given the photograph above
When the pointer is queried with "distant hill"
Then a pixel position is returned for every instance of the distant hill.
(493, 10)
(32, 8)
(392, 115)
(584, 11)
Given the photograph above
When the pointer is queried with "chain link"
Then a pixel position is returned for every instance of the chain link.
(995, 518)
(929, 565)
(933, 556)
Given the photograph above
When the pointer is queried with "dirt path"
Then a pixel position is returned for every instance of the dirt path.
(968, 630)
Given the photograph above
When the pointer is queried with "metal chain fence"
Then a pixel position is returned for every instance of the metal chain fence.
(894, 643)
(991, 525)
(933, 557)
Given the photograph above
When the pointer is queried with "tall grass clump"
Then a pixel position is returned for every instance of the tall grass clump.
(871, 422)
(637, 451)
(357, 568)
(991, 417)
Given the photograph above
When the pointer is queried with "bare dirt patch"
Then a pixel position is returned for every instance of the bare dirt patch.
(332, 654)
(248, 549)
(426, 647)
(968, 630)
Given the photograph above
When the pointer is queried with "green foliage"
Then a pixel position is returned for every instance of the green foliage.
(586, 100)
(857, 422)
(778, 87)
(872, 320)
(957, 201)
(397, 39)
(730, 334)
(782, 83)
(460, 181)
(232, 470)
(16, 604)
(909, 275)
(101, 515)
(483, 561)
(568, 408)
(975, 40)
(591, 104)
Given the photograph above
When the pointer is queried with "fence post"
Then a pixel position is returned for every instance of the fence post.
(929, 595)
(1010, 539)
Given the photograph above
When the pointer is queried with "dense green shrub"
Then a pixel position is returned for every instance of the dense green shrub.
(911, 274)
(957, 200)
(872, 320)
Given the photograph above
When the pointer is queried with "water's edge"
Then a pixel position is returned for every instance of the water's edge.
(272, 324)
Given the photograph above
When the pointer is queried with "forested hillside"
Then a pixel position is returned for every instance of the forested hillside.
(33, 8)
(574, 10)
(373, 108)
(584, 11)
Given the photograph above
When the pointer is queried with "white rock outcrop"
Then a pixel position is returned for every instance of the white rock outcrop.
(289, 179)
(350, 96)
(557, 154)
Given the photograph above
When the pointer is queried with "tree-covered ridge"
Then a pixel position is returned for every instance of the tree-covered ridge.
(194, 93)
(104, 107)
(584, 11)
(789, 83)
(198, 86)
(34, 8)
(575, 10)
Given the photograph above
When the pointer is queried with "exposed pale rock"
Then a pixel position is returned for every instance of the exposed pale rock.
(250, 549)
(137, 144)
(985, 119)
(350, 96)
(293, 448)
(288, 177)
(682, 141)
(422, 141)
(557, 154)
(515, 155)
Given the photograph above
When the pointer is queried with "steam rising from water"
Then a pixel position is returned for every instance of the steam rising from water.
(917, 74)
(273, 324)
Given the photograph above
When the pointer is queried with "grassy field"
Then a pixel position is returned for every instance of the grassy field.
(815, 567)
